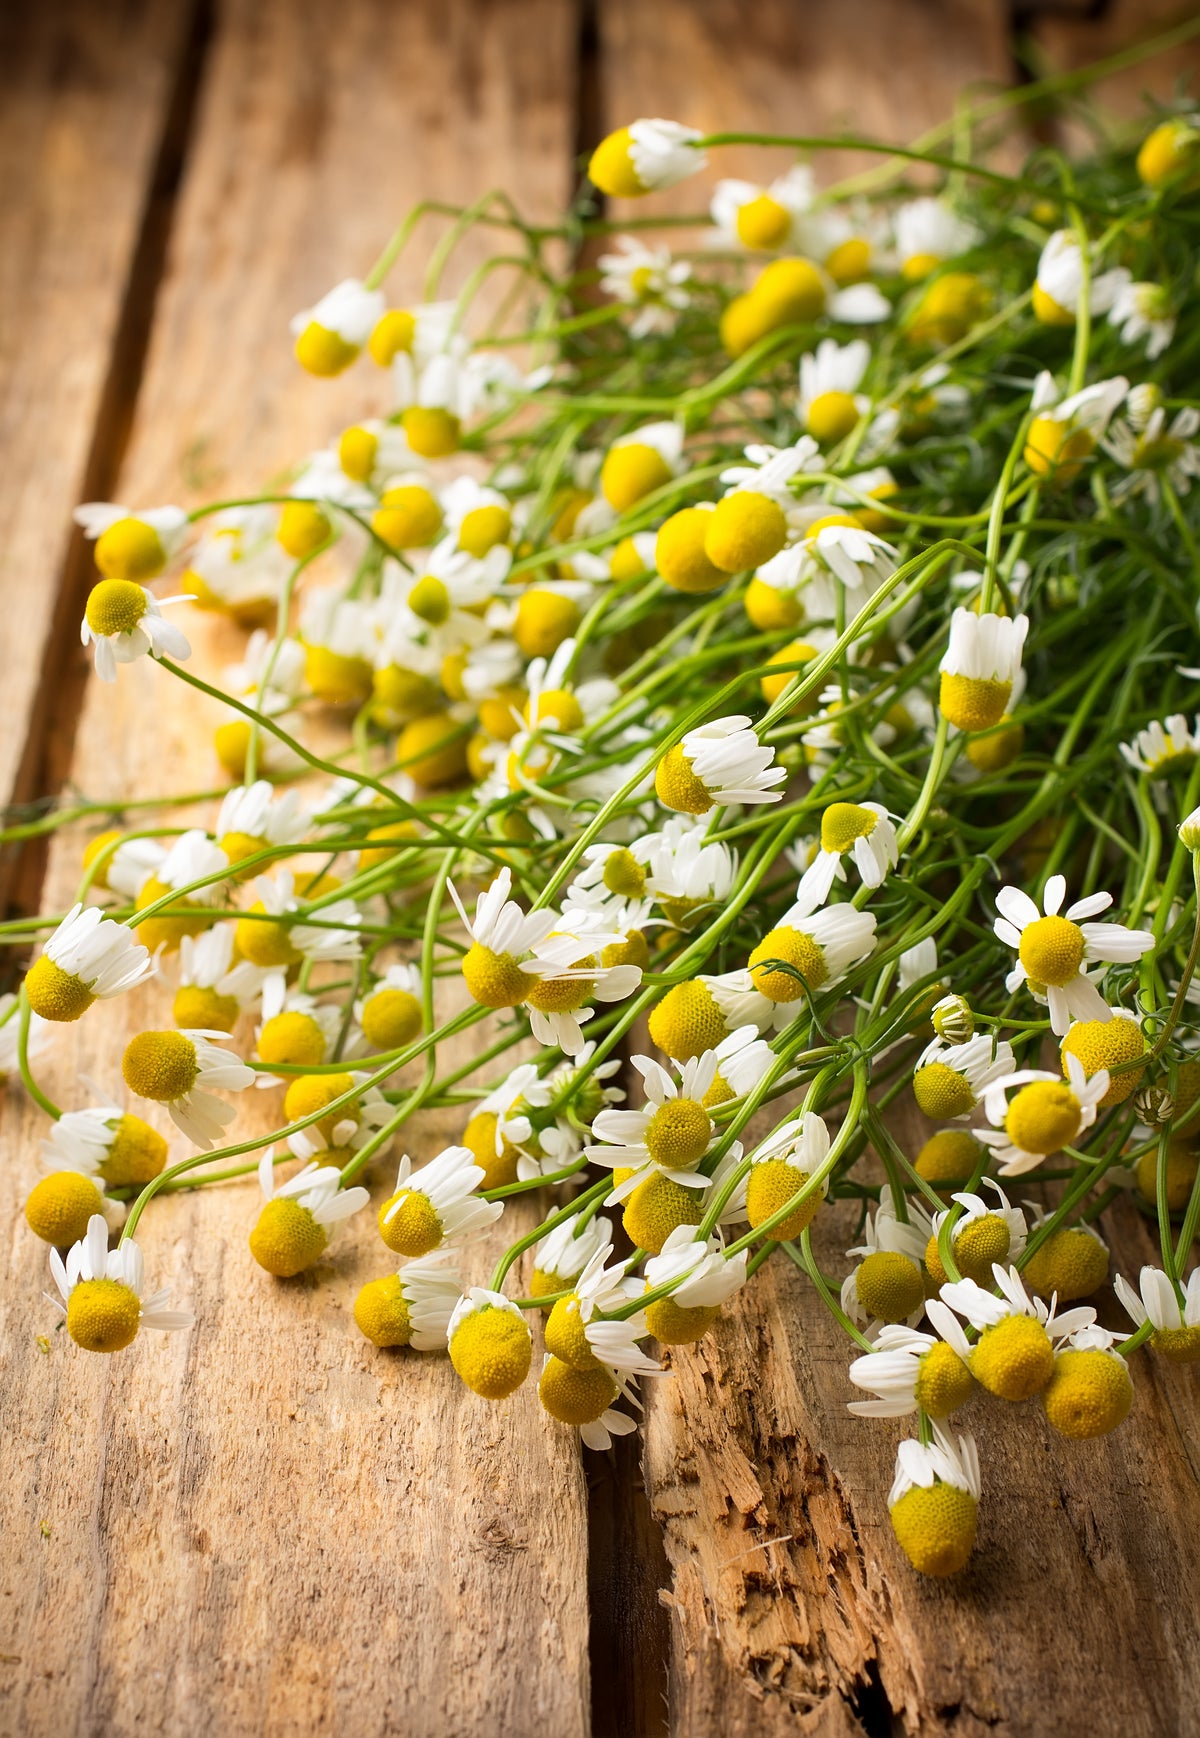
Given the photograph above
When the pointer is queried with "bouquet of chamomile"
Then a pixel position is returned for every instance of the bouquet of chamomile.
(728, 693)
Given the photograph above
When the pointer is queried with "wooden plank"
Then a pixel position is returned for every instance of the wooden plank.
(792, 1608)
(1067, 42)
(263, 1526)
(89, 94)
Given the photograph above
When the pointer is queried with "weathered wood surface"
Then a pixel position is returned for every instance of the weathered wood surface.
(264, 1526)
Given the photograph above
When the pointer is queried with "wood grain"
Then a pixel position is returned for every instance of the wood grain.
(264, 1526)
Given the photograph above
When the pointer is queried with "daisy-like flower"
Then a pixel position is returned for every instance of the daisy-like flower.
(337, 633)
(1053, 950)
(1059, 286)
(266, 939)
(192, 858)
(980, 667)
(888, 1285)
(981, 1235)
(563, 1253)
(565, 970)
(780, 1167)
(331, 333)
(928, 232)
(934, 1501)
(861, 830)
(582, 1398)
(769, 470)
(577, 1333)
(648, 280)
(181, 1070)
(1047, 1113)
(330, 1141)
(295, 1028)
(502, 935)
(1176, 1323)
(743, 1058)
(411, 1307)
(810, 951)
(950, 1079)
(1156, 452)
(830, 404)
(717, 764)
(1163, 748)
(77, 1169)
(1189, 837)
(389, 1015)
(1066, 431)
(668, 1136)
(300, 1217)
(101, 1291)
(645, 157)
(912, 1369)
(636, 464)
(703, 1280)
(107, 1143)
(860, 559)
(1014, 1355)
(123, 621)
(687, 872)
(253, 818)
(131, 546)
(490, 1344)
(500, 1132)
(436, 1204)
(89, 957)
(1143, 311)
(239, 567)
(762, 218)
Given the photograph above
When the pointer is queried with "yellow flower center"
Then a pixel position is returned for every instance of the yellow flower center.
(1043, 1117)
(843, 823)
(164, 931)
(1052, 950)
(788, 292)
(566, 1335)
(1055, 450)
(677, 786)
(744, 530)
(1104, 1044)
(1070, 1264)
(499, 1168)
(391, 1019)
(624, 875)
(795, 950)
(1089, 1394)
(55, 994)
(293, 1038)
(1178, 1345)
(611, 169)
(408, 517)
(1014, 1359)
(942, 1091)
(763, 222)
(308, 1093)
(681, 555)
(160, 1065)
(770, 1186)
(948, 309)
(935, 1527)
(482, 528)
(544, 619)
(357, 451)
(678, 1134)
(977, 1244)
(918, 266)
(998, 749)
(103, 1315)
(561, 995)
(890, 1286)
(1182, 1164)
(687, 1021)
(798, 652)
(948, 1157)
(558, 708)
(491, 1351)
(495, 980)
(136, 1154)
(675, 1324)
(944, 1382)
(303, 528)
(129, 550)
(631, 471)
(432, 433)
(323, 352)
(1166, 151)
(575, 1396)
(393, 332)
(432, 750)
(287, 1239)
(849, 262)
(972, 702)
(656, 1208)
(115, 606)
(429, 600)
(266, 941)
(770, 610)
(831, 416)
(381, 1312)
(410, 1224)
(58, 1208)
(336, 679)
(1048, 311)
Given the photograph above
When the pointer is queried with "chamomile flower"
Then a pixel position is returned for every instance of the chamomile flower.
(101, 1291)
(1157, 452)
(1163, 747)
(131, 547)
(1143, 311)
(1013, 1357)
(934, 1502)
(1047, 1113)
(563, 1253)
(927, 232)
(193, 858)
(88, 958)
(1090, 1392)
(861, 830)
(950, 1079)
(502, 935)
(239, 568)
(830, 404)
(253, 818)
(584, 1399)
(1053, 950)
(743, 1058)
(781, 1167)
(436, 1204)
(1059, 287)
(648, 280)
(668, 1136)
(500, 1131)
(888, 1285)
(810, 951)
(330, 334)
(704, 1279)
(274, 935)
(106, 1142)
(982, 1234)
(980, 668)
(565, 971)
(389, 1015)
(300, 1217)
(1066, 431)
(860, 559)
(411, 1307)
(769, 470)
(717, 764)
(762, 218)
(1176, 1322)
(687, 872)
(338, 1136)
(577, 1333)
(639, 462)
(911, 1370)
(123, 622)
(645, 157)
(490, 1343)
(181, 1070)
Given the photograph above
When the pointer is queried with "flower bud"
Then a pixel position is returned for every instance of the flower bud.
(1154, 1105)
(953, 1020)
(1189, 831)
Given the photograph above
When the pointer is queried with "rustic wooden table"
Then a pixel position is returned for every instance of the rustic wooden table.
(263, 1526)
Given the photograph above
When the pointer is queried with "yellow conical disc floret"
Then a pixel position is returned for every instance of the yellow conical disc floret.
(495, 980)
(681, 555)
(499, 1168)
(1014, 1359)
(92, 850)
(431, 432)
(433, 750)
(136, 1154)
(1103, 1044)
(408, 517)
(687, 1021)
(1043, 1117)
(630, 471)
(675, 1324)
(935, 1527)
(678, 1134)
(798, 652)
(744, 530)
(770, 1186)
(1182, 1164)
(1056, 451)
(972, 702)
(575, 1396)
(944, 1382)
(543, 621)
(610, 167)
(791, 948)
(303, 529)
(321, 351)
(1089, 1394)
(391, 1019)
(55, 994)
(410, 1224)
(129, 550)
(1168, 151)
(977, 1244)
(164, 931)
(763, 223)
(199, 1008)
(392, 333)
(1070, 1264)
(160, 1065)
(656, 1208)
(59, 1207)
(832, 416)
(565, 1335)
(890, 1286)
(941, 1091)
(948, 1158)
(491, 1349)
(789, 292)
(771, 609)
(103, 1315)
(336, 679)
(381, 1312)
(115, 606)
(309, 1093)
(293, 1039)
(287, 1239)
(677, 786)
(483, 528)
(949, 308)
(998, 748)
